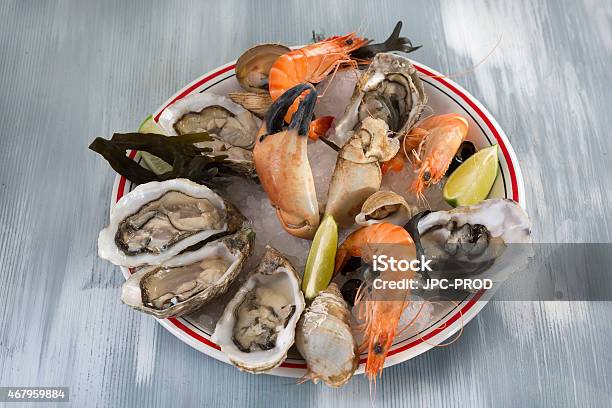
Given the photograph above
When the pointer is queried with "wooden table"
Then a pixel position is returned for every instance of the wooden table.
(75, 69)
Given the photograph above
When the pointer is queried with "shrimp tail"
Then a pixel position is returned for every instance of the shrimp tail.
(319, 127)
(378, 348)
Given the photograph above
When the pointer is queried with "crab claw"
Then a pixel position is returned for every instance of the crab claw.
(281, 161)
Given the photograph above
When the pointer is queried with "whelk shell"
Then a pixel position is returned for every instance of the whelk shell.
(325, 340)
(385, 206)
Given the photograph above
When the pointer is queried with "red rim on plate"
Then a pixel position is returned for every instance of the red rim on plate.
(429, 337)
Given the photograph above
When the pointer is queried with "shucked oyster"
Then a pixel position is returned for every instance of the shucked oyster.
(158, 220)
(184, 283)
(390, 90)
(257, 327)
(487, 240)
(212, 113)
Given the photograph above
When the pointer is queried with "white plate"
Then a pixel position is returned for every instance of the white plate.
(444, 97)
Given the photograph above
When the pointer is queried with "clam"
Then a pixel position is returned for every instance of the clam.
(212, 113)
(385, 206)
(257, 327)
(253, 66)
(487, 240)
(325, 340)
(186, 282)
(257, 103)
(390, 89)
(158, 220)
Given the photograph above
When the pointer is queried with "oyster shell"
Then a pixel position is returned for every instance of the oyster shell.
(257, 327)
(390, 89)
(158, 220)
(487, 240)
(253, 66)
(385, 206)
(212, 113)
(184, 283)
(325, 340)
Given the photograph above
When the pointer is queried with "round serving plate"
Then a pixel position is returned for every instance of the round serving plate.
(445, 96)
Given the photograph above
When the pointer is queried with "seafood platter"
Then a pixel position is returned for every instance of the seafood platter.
(247, 209)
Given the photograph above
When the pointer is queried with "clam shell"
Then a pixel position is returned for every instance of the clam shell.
(378, 201)
(253, 66)
(256, 103)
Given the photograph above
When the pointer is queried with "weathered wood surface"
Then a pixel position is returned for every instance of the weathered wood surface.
(71, 70)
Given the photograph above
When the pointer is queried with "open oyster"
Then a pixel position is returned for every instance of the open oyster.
(390, 90)
(158, 220)
(184, 283)
(212, 113)
(257, 327)
(487, 240)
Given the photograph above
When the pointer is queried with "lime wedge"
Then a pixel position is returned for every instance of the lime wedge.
(157, 165)
(472, 181)
(320, 262)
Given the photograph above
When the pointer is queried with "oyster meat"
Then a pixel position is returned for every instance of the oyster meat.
(487, 240)
(257, 327)
(212, 113)
(184, 283)
(325, 340)
(390, 89)
(158, 220)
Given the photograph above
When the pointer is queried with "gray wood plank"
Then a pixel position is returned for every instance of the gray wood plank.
(71, 70)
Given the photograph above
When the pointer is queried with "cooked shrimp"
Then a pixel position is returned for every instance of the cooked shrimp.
(440, 137)
(431, 145)
(368, 241)
(379, 309)
(312, 64)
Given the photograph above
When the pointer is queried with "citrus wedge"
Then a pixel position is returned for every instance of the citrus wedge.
(157, 165)
(471, 182)
(320, 263)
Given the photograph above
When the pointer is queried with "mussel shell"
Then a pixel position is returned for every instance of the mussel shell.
(253, 66)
